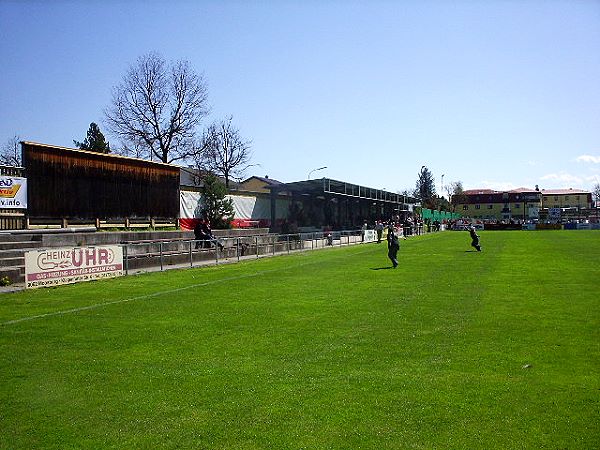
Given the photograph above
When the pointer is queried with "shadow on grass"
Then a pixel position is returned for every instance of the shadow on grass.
(381, 268)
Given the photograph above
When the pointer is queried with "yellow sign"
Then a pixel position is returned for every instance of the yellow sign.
(10, 192)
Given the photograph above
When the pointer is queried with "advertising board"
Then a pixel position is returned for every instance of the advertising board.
(56, 266)
(13, 192)
(554, 213)
(370, 236)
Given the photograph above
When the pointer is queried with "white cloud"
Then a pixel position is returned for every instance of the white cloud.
(588, 159)
(498, 185)
(560, 180)
(564, 179)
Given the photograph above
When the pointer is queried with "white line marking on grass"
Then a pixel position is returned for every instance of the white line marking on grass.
(126, 300)
(154, 294)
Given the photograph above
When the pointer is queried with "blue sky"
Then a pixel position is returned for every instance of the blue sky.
(496, 94)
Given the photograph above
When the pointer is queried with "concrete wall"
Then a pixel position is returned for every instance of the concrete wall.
(109, 238)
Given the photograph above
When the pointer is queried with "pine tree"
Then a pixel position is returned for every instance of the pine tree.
(218, 210)
(425, 188)
(94, 141)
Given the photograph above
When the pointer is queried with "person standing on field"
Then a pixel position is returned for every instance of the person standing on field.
(393, 246)
(474, 238)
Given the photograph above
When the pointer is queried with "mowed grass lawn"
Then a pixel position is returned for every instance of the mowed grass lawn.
(329, 349)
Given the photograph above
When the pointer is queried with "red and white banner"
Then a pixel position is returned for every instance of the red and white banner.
(56, 266)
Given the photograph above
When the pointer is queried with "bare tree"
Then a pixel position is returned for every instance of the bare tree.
(10, 153)
(456, 188)
(456, 193)
(223, 151)
(159, 105)
(449, 190)
(133, 149)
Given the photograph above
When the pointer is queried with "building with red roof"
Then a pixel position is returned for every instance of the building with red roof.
(523, 204)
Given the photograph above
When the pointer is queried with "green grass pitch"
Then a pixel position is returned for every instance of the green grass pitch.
(330, 349)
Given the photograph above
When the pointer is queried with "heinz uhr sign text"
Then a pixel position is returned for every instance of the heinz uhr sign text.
(51, 267)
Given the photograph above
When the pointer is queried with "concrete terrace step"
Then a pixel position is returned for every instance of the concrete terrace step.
(17, 261)
(12, 253)
(25, 245)
(7, 237)
(15, 257)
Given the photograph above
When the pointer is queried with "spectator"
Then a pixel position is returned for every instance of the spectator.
(379, 229)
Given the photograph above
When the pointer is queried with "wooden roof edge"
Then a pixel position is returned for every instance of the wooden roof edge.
(108, 155)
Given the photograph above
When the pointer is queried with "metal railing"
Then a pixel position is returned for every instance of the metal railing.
(180, 253)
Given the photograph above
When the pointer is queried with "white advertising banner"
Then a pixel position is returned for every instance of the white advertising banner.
(249, 207)
(370, 236)
(13, 192)
(244, 206)
(190, 205)
(55, 266)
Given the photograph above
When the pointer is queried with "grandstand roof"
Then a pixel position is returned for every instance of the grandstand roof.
(341, 188)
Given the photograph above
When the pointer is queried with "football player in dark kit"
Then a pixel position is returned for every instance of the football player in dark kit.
(475, 238)
(393, 246)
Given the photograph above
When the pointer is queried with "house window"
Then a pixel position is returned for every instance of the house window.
(465, 207)
(566, 197)
(477, 206)
(490, 206)
(556, 198)
(517, 205)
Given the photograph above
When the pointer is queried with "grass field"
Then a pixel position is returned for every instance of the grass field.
(329, 349)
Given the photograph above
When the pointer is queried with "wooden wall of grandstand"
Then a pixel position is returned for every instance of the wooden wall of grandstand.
(82, 187)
